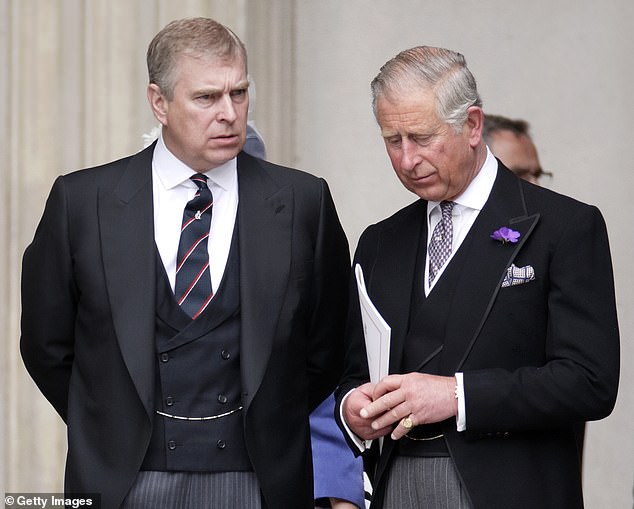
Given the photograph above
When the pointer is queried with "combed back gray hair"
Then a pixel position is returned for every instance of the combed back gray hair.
(196, 37)
(441, 70)
(497, 123)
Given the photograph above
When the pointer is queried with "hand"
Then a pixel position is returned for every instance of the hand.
(337, 503)
(423, 398)
(361, 426)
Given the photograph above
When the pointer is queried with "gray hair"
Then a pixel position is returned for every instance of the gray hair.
(441, 70)
(197, 37)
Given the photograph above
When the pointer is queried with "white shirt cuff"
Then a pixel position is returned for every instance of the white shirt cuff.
(361, 444)
(461, 418)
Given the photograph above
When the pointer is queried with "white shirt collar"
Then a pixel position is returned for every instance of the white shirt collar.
(477, 192)
(173, 172)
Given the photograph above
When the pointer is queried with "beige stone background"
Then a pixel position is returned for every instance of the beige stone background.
(72, 94)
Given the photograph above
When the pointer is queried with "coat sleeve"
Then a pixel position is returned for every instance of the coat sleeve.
(329, 301)
(49, 298)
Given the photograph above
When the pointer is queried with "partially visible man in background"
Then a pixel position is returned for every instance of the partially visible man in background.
(511, 142)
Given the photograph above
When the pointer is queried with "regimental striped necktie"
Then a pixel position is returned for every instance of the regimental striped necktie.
(441, 239)
(193, 280)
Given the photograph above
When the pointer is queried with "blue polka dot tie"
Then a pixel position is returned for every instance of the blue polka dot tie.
(441, 239)
(193, 281)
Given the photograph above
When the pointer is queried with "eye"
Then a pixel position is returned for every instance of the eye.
(421, 139)
(239, 95)
(393, 141)
(206, 98)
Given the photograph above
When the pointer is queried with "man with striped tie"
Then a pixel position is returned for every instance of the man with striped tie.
(183, 307)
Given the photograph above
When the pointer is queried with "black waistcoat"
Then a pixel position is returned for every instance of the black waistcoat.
(425, 339)
(198, 375)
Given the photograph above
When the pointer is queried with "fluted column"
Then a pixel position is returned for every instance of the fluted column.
(270, 38)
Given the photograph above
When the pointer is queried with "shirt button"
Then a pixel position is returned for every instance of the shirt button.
(221, 444)
(171, 445)
(222, 398)
(165, 357)
(169, 401)
(225, 354)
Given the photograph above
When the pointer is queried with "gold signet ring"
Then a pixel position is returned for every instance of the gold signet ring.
(407, 423)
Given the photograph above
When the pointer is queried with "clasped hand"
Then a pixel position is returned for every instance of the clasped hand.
(371, 411)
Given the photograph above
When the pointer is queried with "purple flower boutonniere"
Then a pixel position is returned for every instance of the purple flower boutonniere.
(505, 235)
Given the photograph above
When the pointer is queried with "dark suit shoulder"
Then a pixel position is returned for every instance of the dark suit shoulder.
(124, 177)
(538, 199)
(110, 172)
(281, 175)
(400, 223)
(408, 213)
(551, 201)
(561, 215)
(413, 212)
(95, 171)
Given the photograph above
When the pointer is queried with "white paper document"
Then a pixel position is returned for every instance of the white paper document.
(375, 330)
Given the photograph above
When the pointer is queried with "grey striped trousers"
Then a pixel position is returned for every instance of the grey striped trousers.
(424, 483)
(194, 490)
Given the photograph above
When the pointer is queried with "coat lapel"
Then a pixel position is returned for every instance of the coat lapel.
(127, 234)
(485, 265)
(265, 218)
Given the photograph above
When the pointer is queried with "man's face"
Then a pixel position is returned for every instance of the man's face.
(429, 157)
(518, 153)
(204, 124)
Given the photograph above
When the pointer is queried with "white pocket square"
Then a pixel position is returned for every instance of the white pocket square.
(518, 275)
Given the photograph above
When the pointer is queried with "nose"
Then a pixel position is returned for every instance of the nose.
(410, 156)
(226, 109)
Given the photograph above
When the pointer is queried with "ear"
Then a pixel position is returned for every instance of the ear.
(474, 125)
(158, 103)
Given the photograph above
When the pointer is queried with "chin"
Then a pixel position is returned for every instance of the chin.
(425, 193)
(225, 153)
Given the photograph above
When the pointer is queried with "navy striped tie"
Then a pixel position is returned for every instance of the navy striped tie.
(193, 280)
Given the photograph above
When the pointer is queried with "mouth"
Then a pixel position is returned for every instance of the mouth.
(422, 178)
(225, 139)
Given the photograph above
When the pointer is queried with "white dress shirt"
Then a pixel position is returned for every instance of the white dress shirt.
(172, 189)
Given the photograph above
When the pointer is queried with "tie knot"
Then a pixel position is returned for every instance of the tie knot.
(446, 207)
(200, 180)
